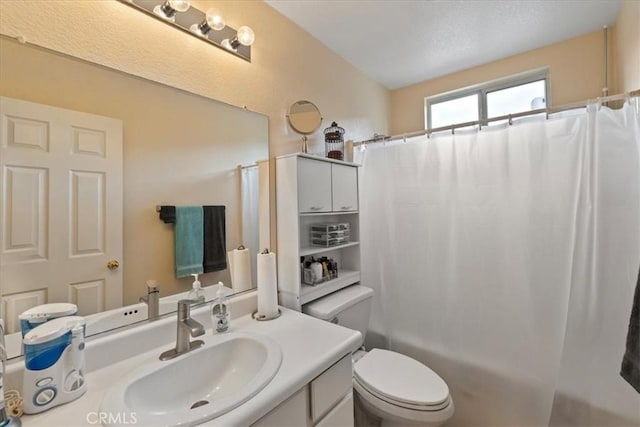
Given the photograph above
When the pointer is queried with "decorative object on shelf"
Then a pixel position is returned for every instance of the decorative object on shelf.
(334, 142)
(318, 270)
(208, 26)
(304, 118)
(328, 235)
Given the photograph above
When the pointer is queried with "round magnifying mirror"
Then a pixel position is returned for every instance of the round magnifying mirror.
(304, 117)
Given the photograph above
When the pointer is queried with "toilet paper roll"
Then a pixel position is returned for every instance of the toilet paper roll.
(267, 285)
(240, 269)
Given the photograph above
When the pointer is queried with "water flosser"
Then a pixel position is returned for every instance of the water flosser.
(75, 377)
(5, 420)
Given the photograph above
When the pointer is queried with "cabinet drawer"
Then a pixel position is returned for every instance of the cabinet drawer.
(314, 186)
(292, 412)
(330, 387)
(345, 188)
(341, 415)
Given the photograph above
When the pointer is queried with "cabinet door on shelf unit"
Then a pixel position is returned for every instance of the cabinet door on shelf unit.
(345, 188)
(314, 189)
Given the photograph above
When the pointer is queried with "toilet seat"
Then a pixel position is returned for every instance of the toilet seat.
(401, 381)
(426, 408)
(397, 415)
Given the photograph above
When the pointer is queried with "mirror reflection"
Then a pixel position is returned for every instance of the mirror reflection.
(102, 244)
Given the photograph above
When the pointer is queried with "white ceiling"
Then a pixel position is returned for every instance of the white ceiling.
(401, 42)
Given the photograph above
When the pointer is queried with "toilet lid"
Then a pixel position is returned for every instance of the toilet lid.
(400, 378)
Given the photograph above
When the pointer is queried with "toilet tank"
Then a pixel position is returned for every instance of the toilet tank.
(349, 307)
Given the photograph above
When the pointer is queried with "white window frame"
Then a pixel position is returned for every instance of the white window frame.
(483, 89)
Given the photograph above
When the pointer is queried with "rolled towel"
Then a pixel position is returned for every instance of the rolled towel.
(267, 285)
(240, 269)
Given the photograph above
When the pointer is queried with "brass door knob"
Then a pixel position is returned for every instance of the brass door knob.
(113, 264)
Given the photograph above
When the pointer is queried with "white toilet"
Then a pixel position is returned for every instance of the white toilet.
(389, 385)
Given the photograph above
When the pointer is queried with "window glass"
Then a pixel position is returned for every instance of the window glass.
(458, 110)
(516, 99)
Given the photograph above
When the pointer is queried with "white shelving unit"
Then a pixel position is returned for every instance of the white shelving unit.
(310, 190)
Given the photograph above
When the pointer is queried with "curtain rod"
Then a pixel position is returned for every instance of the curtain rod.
(509, 117)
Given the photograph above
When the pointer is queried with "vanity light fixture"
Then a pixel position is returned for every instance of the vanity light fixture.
(213, 20)
(244, 37)
(168, 9)
(209, 26)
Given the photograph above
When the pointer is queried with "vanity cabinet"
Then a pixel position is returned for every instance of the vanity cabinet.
(314, 190)
(326, 401)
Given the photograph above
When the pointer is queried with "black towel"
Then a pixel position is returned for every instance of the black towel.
(215, 248)
(168, 214)
(630, 370)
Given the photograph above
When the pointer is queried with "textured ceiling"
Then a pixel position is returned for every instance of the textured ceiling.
(401, 42)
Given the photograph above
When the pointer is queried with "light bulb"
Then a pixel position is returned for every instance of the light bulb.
(215, 19)
(169, 8)
(179, 5)
(246, 36)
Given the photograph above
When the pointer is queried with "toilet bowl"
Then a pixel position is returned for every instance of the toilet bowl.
(401, 390)
(389, 385)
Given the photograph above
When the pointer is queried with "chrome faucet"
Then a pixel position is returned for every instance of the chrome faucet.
(187, 327)
(152, 299)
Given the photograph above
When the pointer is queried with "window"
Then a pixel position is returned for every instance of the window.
(457, 110)
(515, 94)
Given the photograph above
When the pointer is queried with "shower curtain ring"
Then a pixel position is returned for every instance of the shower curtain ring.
(510, 120)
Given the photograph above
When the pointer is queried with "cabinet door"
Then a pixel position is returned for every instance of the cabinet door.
(293, 412)
(344, 182)
(341, 415)
(314, 186)
(329, 387)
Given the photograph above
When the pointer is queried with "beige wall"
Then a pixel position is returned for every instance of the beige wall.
(575, 68)
(287, 63)
(626, 47)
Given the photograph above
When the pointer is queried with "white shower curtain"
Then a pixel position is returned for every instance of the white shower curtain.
(505, 260)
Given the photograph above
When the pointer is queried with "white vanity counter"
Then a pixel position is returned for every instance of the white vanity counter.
(309, 346)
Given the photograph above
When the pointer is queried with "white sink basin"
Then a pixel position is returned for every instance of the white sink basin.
(197, 386)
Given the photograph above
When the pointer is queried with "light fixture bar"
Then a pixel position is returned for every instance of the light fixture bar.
(185, 20)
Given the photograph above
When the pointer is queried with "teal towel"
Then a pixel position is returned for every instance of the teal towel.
(189, 240)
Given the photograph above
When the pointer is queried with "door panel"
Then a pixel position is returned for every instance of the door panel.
(25, 201)
(314, 186)
(344, 181)
(87, 213)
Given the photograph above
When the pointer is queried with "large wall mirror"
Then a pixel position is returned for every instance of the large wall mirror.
(178, 149)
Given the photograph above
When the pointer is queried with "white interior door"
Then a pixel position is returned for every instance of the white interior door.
(61, 213)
